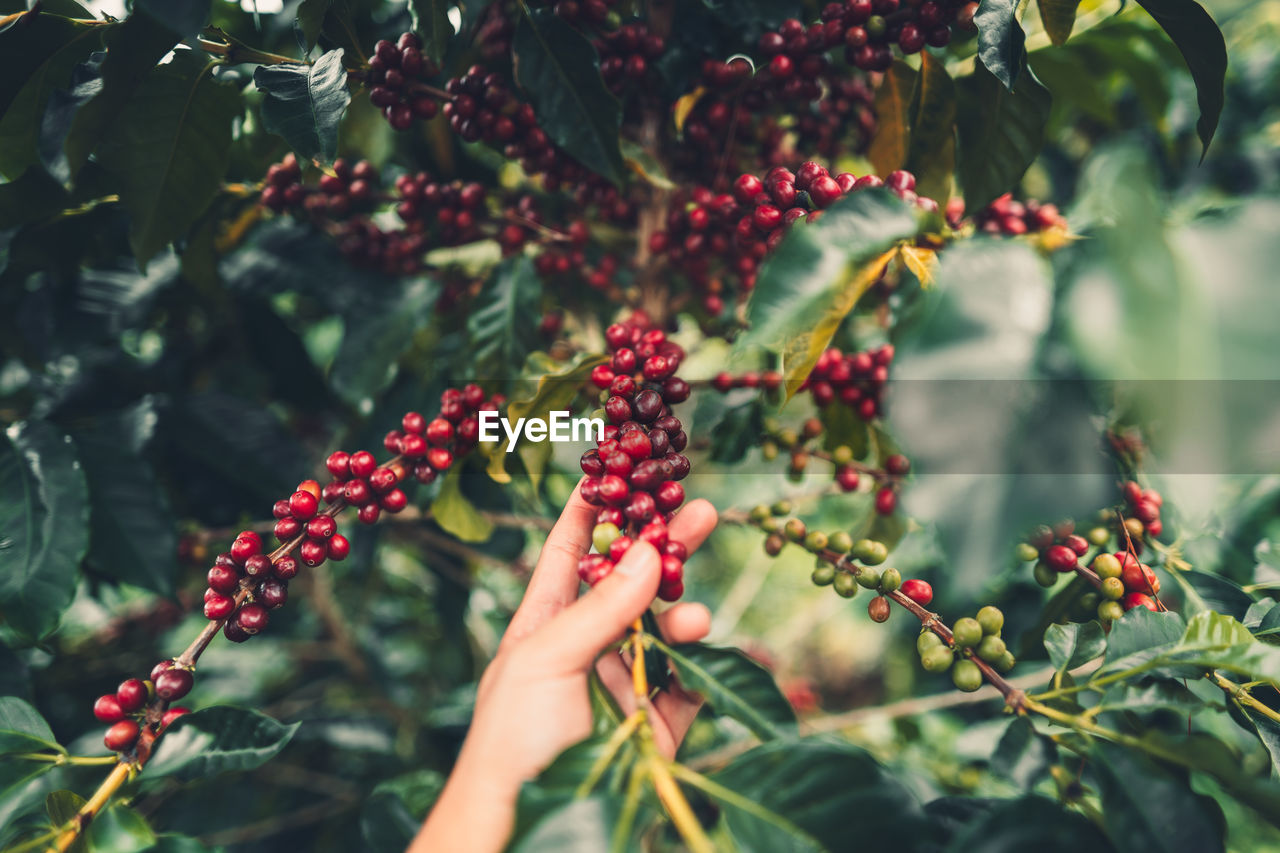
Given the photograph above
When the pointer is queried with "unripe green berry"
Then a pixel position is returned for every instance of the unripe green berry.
(1044, 575)
(769, 450)
(823, 574)
(842, 455)
(991, 620)
(1113, 589)
(991, 648)
(772, 524)
(1026, 552)
(794, 529)
(782, 507)
(927, 640)
(840, 541)
(967, 632)
(815, 540)
(1089, 601)
(866, 576)
(1098, 536)
(937, 659)
(1005, 662)
(870, 551)
(603, 535)
(772, 425)
(1110, 611)
(773, 544)
(1106, 566)
(966, 676)
(876, 26)
(788, 437)
(846, 585)
(760, 512)
(890, 579)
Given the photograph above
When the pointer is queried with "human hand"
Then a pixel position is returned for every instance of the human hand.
(533, 700)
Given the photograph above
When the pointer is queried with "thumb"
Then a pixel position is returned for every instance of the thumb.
(575, 637)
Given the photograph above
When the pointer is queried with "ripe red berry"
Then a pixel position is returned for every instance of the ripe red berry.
(173, 684)
(1137, 599)
(172, 714)
(107, 709)
(613, 489)
(394, 500)
(222, 579)
(886, 501)
(766, 217)
(159, 668)
(1139, 577)
(824, 190)
(252, 618)
(1060, 558)
(285, 568)
(412, 422)
(312, 552)
(272, 594)
(897, 465)
(669, 496)
(369, 513)
(363, 464)
(439, 458)
(1076, 543)
(322, 527)
(847, 478)
(245, 546)
(655, 533)
(122, 736)
(339, 547)
(303, 505)
(257, 565)
(218, 607)
(131, 694)
(357, 493)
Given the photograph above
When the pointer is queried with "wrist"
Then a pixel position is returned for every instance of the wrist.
(475, 811)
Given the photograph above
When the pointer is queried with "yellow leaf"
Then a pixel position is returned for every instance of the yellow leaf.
(1053, 239)
(891, 142)
(801, 352)
(921, 261)
(456, 515)
(644, 164)
(685, 105)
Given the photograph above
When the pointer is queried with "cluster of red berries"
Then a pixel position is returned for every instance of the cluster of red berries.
(350, 189)
(1013, 218)
(843, 119)
(393, 72)
(867, 28)
(1127, 581)
(1143, 505)
(856, 379)
(454, 210)
(633, 474)
(125, 710)
(849, 474)
(698, 242)
(397, 251)
(282, 188)
(626, 54)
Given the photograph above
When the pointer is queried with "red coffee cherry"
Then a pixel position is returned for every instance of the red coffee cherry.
(339, 464)
(1137, 599)
(313, 552)
(131, 694)
(412, 422)
(257, 565)
(172, 714)
(285, 568)
(107, 709)
(159, 668)
(303, 505)
(173, 684)
(363, 464)
(122, 736)
(218, 607)
(272, 594)
(1060, 558)
(886, 501)
(918, 591)
(322, 527)
(339, 547)
(897, 465)
(252, 618)
(223, 579)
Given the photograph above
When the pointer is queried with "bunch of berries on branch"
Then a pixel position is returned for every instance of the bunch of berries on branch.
(850, 474)
(633, 474)
(396, 72)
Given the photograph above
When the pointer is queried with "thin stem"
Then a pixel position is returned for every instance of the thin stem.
(630, 805)
(620, 735)
(728, 795)
(90, 809)
(639, 679)
(1240, 693)
(60, 759)
(42, 839)
(686, 822)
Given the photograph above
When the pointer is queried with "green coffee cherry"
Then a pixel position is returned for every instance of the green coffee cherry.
(1089, 601)
(1004, 663)
(1044, 575)
(937, 659)
(773, 544)
(823, 574)
(842, 455)
(788, 437)
(846, 585)
(1106, 566)
(991, 620)
(966, 676)
(890, 579)
(840, 541)
(772, 524)
(816, 540)
(760, 512)
(1098, 536)
(876, 26)
(1113, 589)
(870, 551)
(991, 649)
(782, 507)
(602, 536)
(769, 450)
(772, 425)
(1110, 611)
(927, 640)
(967, 632)
(1026, 552)
(795, 530)
(866, 576)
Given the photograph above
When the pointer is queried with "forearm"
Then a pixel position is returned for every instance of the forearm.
(475, 812)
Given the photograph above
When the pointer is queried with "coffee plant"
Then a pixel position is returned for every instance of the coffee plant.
(934, 300)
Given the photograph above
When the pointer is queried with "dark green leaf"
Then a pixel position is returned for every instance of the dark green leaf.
(1140, 636)
(735, 686)
(499, 326)
(305, 103)
(311, 14)
(816, 275)
(22, 729)
(120, 829)
(21, 789)
(1198, 38)
(132, 534)
(1156, 695)
(1074, 644)
(431, 21)
(1030, 823)
(1150, 807)
(738, 428)
(168, 151)
(1000, 133)
(44, 515)
(1267, 730)
(559, 69)
(834, 792)
(394, 811)
(932, 153)
(374, 339)
(32, 197)
(218, 740)
(457, 515)
(579, 826)
(1058, 17)
(560, 782)
(1205, 591)
(1023, 756)
(1001, 41)
(62, 807)
(183, 18)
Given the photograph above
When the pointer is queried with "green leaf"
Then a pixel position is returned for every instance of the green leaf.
(738, 427)
(62, 807)
(1267, 730)
(305, 103)
(1000, 133)
(33, 197)
(132, 535)
(560, 782)
(431, 21)
(21, 789)
(734, 685)
(1029, 823)
(834, 792)
(1218, 641)
(1152, 696)
(892, 140)
(218, 740)
(1001, 41)
(169, 149)
(1023, 756)
(183, 18)
(560, 70)
(579, 826)
(1205, 591)
(456, 515)
(120, 829)
(1140, 636)
(395, 809)
(817, 274)
(376, 336)
(499, 325)
(35, 59)
(44, 516)
(22, 729)
(932, 153)
(1058, 18)
(1074, 644)
(1200, 42)
(1150, 807)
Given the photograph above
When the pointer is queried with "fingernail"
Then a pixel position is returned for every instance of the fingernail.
(632, 562)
